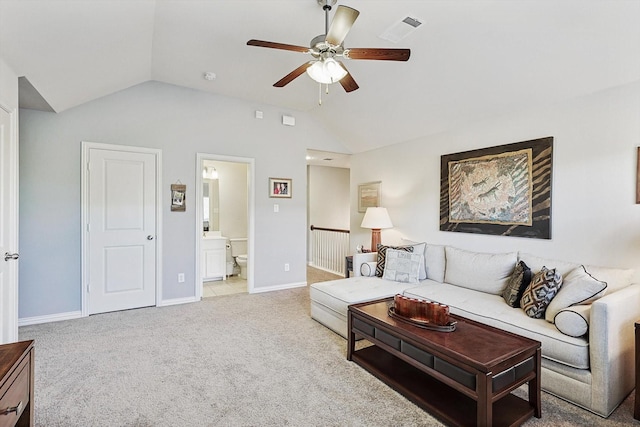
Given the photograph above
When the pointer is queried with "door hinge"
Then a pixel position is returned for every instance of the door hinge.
(88, 288)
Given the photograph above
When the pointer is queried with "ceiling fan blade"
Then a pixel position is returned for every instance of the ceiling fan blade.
(347, 82)
(292, 75)
(341, 24)
(274, 45)
(380, 54)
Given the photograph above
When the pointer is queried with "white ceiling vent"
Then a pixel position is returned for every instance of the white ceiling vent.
(401, 29)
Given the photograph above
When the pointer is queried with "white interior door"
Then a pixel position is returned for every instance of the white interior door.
(8, 227)
(121, 230)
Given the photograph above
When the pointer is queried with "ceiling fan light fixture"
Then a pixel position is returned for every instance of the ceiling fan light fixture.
(326, 71)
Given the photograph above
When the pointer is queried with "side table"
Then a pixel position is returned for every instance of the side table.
(636, 410)
(16, 384)
(348, 265)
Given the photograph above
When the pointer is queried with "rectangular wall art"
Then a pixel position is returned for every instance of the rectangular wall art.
(503, 190)
(280, 187)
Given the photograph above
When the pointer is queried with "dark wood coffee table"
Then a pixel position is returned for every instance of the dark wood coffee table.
(464, 377)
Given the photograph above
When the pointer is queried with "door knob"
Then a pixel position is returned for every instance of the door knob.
(8, 256)
(149, 237)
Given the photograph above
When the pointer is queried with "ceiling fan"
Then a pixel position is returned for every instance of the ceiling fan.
(325, 48)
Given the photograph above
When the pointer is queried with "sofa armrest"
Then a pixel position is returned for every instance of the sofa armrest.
(359, 259)
(612, 347)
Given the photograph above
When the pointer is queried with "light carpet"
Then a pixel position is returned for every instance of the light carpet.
(237, 360)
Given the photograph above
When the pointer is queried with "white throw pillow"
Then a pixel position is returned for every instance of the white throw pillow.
(418, 248)
(573, 321)
(368, 269)
(483, 272)
(578, 287)
(402, 266)
(616, 278)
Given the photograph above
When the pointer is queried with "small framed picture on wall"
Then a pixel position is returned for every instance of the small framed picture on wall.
(178, 195)
(368, 196)
(280, 187)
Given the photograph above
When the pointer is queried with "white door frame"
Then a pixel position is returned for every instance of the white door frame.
(250, 162)
(84, 201)
(9, 296)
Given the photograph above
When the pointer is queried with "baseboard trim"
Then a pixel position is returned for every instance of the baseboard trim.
(36, 320)
(177, 301)
(278, 287)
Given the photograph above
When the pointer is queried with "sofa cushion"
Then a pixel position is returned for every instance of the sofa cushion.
(402, 266)
(578, 287)
(435, 262)
(539, 293)
(517, 283)
(336, 295)
(382, 256)
(491, 310)
(573, 321)
(368, 269)
(480, 271)
(536, 263)
(616, 278)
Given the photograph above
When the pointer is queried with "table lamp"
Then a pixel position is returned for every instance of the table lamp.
(376, 219)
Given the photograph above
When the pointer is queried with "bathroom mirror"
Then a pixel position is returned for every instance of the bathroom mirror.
(211, 205)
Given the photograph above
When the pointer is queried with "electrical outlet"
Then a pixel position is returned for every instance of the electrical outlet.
(286, 267)
(180, 277)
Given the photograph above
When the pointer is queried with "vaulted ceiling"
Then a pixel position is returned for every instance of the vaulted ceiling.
(469, 59)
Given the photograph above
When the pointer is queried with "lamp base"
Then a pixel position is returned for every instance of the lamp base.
(375, 239)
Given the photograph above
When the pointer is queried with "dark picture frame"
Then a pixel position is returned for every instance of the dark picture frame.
(502, 190)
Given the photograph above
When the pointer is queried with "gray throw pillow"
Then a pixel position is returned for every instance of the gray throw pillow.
(402, 266)
(382, 255)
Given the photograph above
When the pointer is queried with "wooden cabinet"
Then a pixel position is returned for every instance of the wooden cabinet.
(213, 261)
(16, 384)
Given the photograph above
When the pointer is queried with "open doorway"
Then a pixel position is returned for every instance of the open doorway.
(224, 225)
(328, 214)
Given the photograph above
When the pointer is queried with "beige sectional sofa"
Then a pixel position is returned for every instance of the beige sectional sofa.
(589, 363)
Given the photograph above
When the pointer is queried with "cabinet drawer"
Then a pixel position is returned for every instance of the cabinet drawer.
(15, 393)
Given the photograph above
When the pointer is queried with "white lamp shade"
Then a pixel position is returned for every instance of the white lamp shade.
(376, 218)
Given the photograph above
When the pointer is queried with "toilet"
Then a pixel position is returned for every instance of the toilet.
(239, 253)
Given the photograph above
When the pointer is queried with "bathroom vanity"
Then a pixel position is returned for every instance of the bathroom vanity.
(213, 261)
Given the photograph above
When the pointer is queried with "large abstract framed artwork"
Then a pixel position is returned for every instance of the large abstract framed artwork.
(503, 190)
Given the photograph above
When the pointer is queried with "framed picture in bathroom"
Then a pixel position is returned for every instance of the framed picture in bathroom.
(280, 187)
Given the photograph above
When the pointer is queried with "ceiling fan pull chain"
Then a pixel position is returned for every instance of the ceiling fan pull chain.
(319, 93)
(327, 90)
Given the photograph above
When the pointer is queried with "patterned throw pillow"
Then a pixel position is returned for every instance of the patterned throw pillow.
(537, 296)
(402, 266)
(518, 282)
(382, 255)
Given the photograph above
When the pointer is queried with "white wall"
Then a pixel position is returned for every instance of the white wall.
(181, 122)
(594, 216)
(8, 86)
(329, 197)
